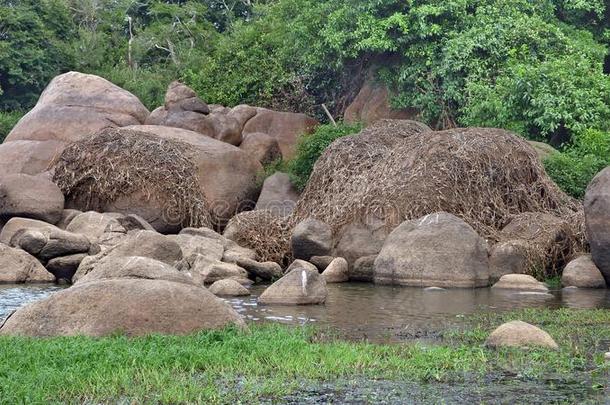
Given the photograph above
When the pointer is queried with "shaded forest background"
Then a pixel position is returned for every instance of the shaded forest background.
(540, 68)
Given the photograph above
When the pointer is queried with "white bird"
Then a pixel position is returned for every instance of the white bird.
(304, 282)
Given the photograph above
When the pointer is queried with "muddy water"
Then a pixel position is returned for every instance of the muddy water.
(366, 311)
(360, 310)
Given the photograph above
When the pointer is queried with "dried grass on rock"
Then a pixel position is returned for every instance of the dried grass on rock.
(98, 170)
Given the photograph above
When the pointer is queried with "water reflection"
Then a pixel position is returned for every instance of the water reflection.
(366, 310)
(361, 310)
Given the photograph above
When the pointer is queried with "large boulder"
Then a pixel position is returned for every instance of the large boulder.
(228, 288)
(148, 244)
(183, 109)
(22, 195)
(262, 147)
(213, 272)
(193, 245)
(225, 128)
(228, 178)
(520, 334)
(521, 282)
(582, 273)
(180, 97)
(133, 307)
(360, 239)
(50, 242)
(373, 104)
(438, 250)
(285, 127)
(337, 271)
(95, 225)
(17, 266)
(597, 218)
(532, 241)
(301, 286)
(508, 257)
(19, 225)
(28, 157)
(64, 267)
(135, 267)
(311, 237)
(278, 195)
(363, 269)
(75, 105)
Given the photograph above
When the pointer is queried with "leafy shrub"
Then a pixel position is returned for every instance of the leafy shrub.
(148, 84)
(7, 122)
(310, 148)
(34, 47)
(574, 168)
(535, 67)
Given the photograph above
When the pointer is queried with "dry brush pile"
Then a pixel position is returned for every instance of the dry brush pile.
(400, 170)
(99, 170)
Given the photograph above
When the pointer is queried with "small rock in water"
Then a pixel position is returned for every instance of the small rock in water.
(434, 289)
(521, 282)
(536, 294)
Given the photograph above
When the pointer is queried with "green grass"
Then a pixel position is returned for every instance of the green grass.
(230, 366)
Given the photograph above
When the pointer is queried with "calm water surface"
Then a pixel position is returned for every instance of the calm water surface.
(360, 310)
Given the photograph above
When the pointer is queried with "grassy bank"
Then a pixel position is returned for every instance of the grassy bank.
(231, 366)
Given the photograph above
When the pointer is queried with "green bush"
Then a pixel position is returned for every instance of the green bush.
(148, 84)
(310, 149)
(534, 67)
(575, 167)
(7, 122)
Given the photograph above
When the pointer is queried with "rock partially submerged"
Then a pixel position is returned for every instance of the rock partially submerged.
(597, 216)
(582, 273)
(132, 307)
(520, 334)
(521, 282)
(301, 286)
(438, 250)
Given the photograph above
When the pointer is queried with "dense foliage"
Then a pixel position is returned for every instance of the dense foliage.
(35, 41)
(310, 148)
(7, 122)
(540, 68)
(573, 169)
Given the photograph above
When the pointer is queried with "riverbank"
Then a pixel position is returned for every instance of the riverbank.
(273, 363)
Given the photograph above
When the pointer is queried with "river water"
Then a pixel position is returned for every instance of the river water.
(367, 311)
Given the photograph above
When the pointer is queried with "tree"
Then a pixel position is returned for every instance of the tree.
(34, 47)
